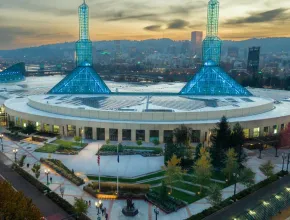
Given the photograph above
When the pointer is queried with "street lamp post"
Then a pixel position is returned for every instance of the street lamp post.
(236, 176)
(156, 211)
(98, 205)
(283, 157)
(288, 161)
(15, 152)
(1, 137)
(47, 172)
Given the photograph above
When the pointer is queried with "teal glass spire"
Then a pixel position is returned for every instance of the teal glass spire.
(211, 46)
(84, 45)
(13, 74)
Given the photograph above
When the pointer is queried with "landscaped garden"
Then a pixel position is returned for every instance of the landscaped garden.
(60, 168)
(62, 147)
(108, 149)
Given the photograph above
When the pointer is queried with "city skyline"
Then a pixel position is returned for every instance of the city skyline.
(32, 23)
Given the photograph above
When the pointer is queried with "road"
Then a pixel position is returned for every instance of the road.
(251, 200)
(47, 207)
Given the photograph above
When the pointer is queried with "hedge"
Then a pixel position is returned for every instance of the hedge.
(65, 205)
(60, 168)
(109, 187)
(169, 205)
(113, 148)
(238, 196)
(40, 186)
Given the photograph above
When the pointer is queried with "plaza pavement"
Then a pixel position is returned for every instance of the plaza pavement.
(85, 162)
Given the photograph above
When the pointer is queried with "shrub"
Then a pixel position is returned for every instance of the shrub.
(108, 141)
(156, 142)
(21, 161)
(60, 168)
(123, 187)
(139, 142)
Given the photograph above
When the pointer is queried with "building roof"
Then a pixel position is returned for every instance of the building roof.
(82, 80)
(212, 80)
(14, 73)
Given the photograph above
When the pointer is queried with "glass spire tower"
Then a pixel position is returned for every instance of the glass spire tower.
(211, 46)
(84, 45)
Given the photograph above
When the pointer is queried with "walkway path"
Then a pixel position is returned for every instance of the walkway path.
(48, 208)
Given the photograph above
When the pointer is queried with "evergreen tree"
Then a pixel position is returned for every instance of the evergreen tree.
(197, 152)
(220, 139)
(237, 141)
(80, 206)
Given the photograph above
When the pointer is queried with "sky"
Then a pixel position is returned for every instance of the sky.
(25, 23)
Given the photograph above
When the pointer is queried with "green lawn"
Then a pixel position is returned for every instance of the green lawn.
(187, 187)
(68, 143)
(127, 180)
(113, 148)
(47, 148)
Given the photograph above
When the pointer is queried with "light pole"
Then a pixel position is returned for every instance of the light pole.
(98, 205)
(288, 161)
(283, 157)
(156, 211)
(47, 172)
(15, 152)
(236, 176)
(1, 137)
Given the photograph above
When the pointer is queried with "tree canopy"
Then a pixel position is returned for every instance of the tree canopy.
(14, 205)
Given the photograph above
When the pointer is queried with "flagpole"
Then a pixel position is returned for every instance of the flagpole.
(99, 180)
(99, 163)
(118, 169)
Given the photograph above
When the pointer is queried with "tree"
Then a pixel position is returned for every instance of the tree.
(21, 161)
(36, 170)
(173, 171)
(163, 191)
(14, 205)
(267, 169)
(80, 206)
(197, 152)
(182, 135)
(231, 164)
(220, 140)
(214, 195)
(247, 177)
(237, 141)
(203, 168)
(30, 128)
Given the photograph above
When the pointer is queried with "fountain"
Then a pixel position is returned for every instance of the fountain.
(130, 209)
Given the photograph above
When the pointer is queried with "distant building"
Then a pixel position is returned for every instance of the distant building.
(253, 60)
(196, 42)
(233, 52)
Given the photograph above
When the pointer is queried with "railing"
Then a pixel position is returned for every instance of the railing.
(268, 208)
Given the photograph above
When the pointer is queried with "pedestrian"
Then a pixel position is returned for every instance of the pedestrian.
(89, 203)
(105, 210)
(86, 202)
(102, 211)
(50, 179)
(27, 165)
(106, 216)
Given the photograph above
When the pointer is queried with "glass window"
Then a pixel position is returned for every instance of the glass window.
(71, 130)
(140, 135)
(88, 133)
(256, 132)
(126, 135)
(154, 135)
(100, 134)
(55, 129)
(282, 127)
(266, 131)
(247, 133)
(168, 136)
(113, 134)
(275, 129)
(195, 138)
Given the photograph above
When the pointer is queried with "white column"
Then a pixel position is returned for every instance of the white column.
(107, 135)
(147, 135)
(161, 136)
(94, 133)
(133, 135)
(120, 135)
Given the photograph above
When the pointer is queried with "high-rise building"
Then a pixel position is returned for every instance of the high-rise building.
(84, 45)
(253, 60)
(233, 52)
(196, 42)
(211, 45)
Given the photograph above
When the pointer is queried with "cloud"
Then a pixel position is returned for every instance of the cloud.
(266, 16)
(177, 24)
(187, 7)
(122, 16)
(153, 28)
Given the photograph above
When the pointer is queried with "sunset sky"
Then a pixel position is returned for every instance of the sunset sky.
(35, 22)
